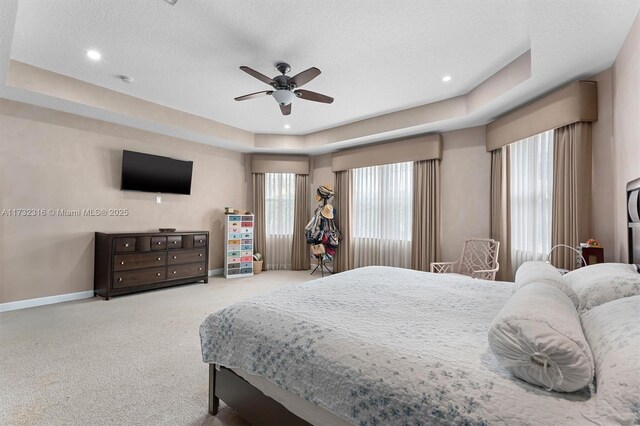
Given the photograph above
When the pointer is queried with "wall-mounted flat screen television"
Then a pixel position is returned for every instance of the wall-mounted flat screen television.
(153, 173)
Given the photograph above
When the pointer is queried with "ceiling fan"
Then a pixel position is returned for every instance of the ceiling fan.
(285, 87)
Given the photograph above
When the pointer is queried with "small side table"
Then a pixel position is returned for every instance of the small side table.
(592, 255)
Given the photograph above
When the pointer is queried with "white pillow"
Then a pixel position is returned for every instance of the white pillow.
(543, 272)
(602, 283)
(537, 336)
(613, 333)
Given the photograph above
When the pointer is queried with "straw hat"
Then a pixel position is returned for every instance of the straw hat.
(327, 211)
(324, 192)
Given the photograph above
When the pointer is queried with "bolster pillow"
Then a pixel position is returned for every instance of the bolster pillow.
(537, 336)
(543, 272)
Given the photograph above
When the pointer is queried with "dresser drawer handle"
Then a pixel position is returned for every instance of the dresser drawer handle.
(159, 258)
(175, 257)
(173, 272)
(119, 280)
(200, 255)
(158, 274)
(159, 243)
(122, 263)
(199, 269)
(126, 244)
(200, 241)
(175, 242)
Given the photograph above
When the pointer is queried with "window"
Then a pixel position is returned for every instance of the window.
(382, 214)
(531, 184)
(279, 212)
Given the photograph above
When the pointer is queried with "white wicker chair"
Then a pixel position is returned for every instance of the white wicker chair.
(479, 259)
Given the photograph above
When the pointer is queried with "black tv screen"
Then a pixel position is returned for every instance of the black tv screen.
(153, 173)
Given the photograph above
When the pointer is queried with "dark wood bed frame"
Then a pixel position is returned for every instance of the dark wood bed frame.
(259, 409)
(253, 405)
(633, 227)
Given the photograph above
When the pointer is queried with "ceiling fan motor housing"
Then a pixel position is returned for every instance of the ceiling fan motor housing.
(282, 81)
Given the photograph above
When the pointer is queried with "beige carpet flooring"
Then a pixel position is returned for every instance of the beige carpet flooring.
(132, 360)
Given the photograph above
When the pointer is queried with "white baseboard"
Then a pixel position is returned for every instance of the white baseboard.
(49, 300)
(214, 272)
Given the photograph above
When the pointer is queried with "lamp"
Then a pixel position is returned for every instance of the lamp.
(283, 96)
(584, 262)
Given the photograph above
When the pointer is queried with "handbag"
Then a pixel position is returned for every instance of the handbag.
(317, 249)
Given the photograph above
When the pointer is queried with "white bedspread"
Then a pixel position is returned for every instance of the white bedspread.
(387, 346)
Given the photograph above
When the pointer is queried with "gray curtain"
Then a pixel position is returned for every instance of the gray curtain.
(571, 207)
(425, 234)
(501, 211)
(342, 202)
(300, 257)
(259, 233)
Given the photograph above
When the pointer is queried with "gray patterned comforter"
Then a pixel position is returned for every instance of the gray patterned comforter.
(386, 346)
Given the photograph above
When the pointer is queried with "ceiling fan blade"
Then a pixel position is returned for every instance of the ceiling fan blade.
(313, 96)
(258, 75)
(304, 77)
(254, 95)
(286, 109)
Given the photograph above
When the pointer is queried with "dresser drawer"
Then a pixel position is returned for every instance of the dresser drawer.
(126, 262)
(125, 245)
(186, 256)
(183, 271)
(199, 240)
(174, 242)
(158, 243)
(138, 277)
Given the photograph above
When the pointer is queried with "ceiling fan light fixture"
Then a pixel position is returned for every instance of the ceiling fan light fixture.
(283, 97)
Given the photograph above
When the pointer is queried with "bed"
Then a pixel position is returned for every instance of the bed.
(390, 346)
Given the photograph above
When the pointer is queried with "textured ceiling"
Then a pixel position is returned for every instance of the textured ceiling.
(375, 56)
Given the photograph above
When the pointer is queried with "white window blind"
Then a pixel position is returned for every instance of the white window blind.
(531, 183)
(382, 214)
(279, 212)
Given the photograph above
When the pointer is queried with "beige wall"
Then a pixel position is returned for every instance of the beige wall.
(465, 171)
(626, 130)
(602, 195)
(321, 174)
(50, 159)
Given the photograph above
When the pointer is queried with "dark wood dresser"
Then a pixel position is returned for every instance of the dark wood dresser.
(126, 263)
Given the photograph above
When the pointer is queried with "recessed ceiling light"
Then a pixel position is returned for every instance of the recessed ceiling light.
(286, 126)
(94, 54)
(446, 78)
